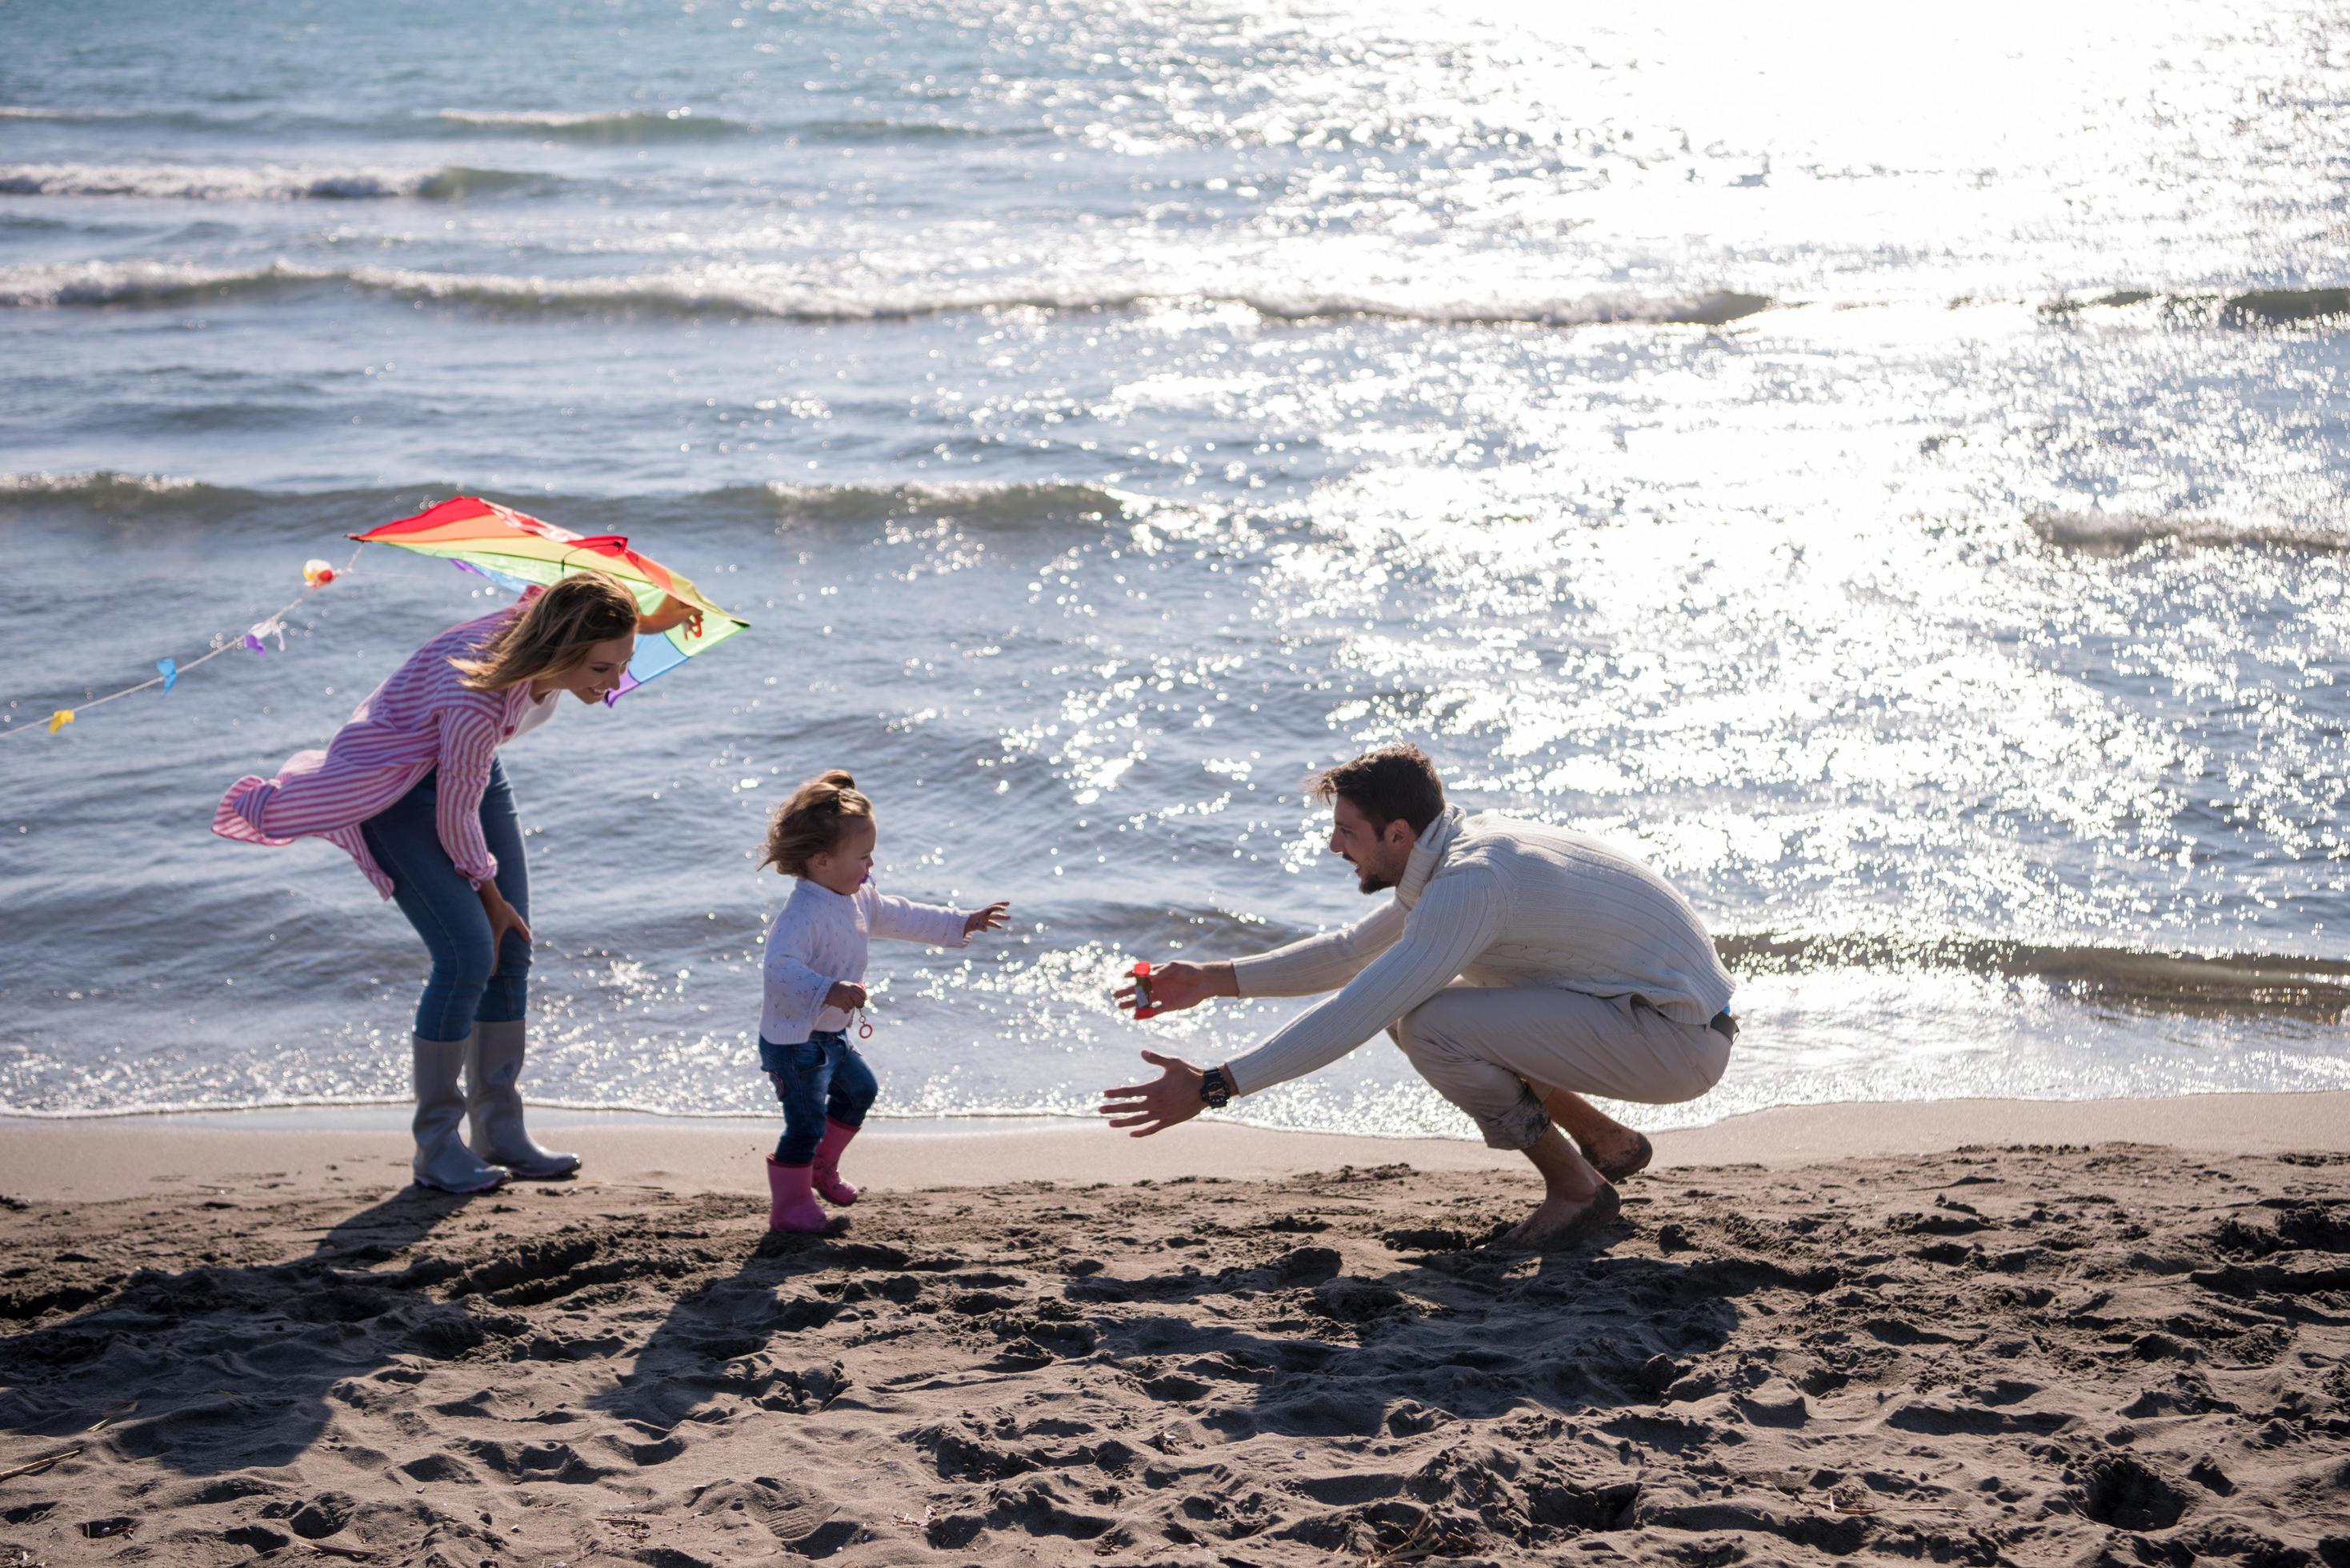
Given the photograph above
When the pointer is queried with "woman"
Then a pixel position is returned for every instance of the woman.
(411, 788)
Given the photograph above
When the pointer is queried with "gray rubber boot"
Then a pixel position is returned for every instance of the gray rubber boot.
(442, 1159)
(494, 1104)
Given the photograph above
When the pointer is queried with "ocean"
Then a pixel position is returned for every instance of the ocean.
(1887, 465)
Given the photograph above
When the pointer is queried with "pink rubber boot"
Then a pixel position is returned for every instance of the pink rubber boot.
(795, 1207)
(827, 1163)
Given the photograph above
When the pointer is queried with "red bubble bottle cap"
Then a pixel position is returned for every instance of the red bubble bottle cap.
(1142, 1003)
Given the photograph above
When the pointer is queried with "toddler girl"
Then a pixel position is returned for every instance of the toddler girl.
(824, 835)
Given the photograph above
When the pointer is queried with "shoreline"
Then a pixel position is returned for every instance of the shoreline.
(98, 1159)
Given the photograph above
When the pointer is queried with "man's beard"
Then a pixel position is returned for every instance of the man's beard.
(1371, 881)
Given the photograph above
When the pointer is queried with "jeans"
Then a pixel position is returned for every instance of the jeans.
(821, 1076)
(468, 983)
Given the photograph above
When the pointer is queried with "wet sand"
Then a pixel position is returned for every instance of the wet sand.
(1969, 1350)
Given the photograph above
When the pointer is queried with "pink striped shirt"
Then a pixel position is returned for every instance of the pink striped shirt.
(424, 717)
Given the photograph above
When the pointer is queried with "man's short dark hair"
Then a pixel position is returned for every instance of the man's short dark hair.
(1392, 783)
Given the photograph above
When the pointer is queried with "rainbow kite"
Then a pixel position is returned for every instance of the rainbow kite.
(516, 550)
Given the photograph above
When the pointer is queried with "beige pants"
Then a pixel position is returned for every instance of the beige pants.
(1481, 1046)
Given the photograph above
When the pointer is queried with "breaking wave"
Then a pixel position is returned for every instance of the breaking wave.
(163, 499)
(721, 294)
(978, 502)
(2272, 307)
(2212, 984)
(610, 127)
(117, 493)
(2118, 533)
(617, 125)
(99, 484)
(259, 183)
(1715, 308)
(2290, 303)
(145, 283)
(885, 130)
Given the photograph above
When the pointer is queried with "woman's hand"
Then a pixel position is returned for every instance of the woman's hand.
(1172, 1098)
(672, 611)
(845, 994)
(991, 919)
(503, 918)
(1178, 985)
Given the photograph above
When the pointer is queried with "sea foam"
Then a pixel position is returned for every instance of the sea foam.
(744, 293)
(613, 125)
(258, 182)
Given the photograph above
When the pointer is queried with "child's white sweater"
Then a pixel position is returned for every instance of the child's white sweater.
(819, 937)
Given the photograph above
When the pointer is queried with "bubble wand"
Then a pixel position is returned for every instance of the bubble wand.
(1144, 1007)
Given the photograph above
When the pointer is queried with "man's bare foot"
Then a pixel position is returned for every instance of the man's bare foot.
(1562, 1221)
(1619, 1154)
(1614, 1150)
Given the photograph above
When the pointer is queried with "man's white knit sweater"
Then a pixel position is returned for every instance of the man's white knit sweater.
(1492, 901)
(820, 938)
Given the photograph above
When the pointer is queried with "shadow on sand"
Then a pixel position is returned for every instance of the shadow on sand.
(1294, 1346)
(216, 1368)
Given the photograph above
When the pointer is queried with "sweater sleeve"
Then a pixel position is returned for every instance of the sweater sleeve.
(798, 989)
(1322, 962)
(903, 920)
(469, 744)
(794, 989)
(1456, 919)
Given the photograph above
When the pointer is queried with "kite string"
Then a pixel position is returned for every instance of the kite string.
(219, 648)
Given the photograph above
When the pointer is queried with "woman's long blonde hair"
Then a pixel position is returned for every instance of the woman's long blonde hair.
(812, 821)
(553, 634)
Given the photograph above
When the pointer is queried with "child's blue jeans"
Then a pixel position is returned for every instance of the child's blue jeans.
(821, 1076)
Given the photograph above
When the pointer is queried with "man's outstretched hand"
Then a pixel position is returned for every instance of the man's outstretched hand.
(1178, 985)
(1172, 1098)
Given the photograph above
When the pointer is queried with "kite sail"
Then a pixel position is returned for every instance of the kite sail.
(517, 550)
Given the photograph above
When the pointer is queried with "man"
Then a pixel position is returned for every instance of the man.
(1515, 961)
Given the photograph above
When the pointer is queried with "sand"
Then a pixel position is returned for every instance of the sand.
(2116, 1352)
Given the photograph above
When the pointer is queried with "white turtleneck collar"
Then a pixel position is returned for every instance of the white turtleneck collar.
(1428, 855)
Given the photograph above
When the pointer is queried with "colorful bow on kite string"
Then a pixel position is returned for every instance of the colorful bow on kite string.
(517, 551)
(316, 574)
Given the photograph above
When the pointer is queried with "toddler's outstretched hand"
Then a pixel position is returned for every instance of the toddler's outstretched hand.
(846, 995)
(991, 919)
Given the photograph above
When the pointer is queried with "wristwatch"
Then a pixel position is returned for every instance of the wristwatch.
(1216, 1089)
